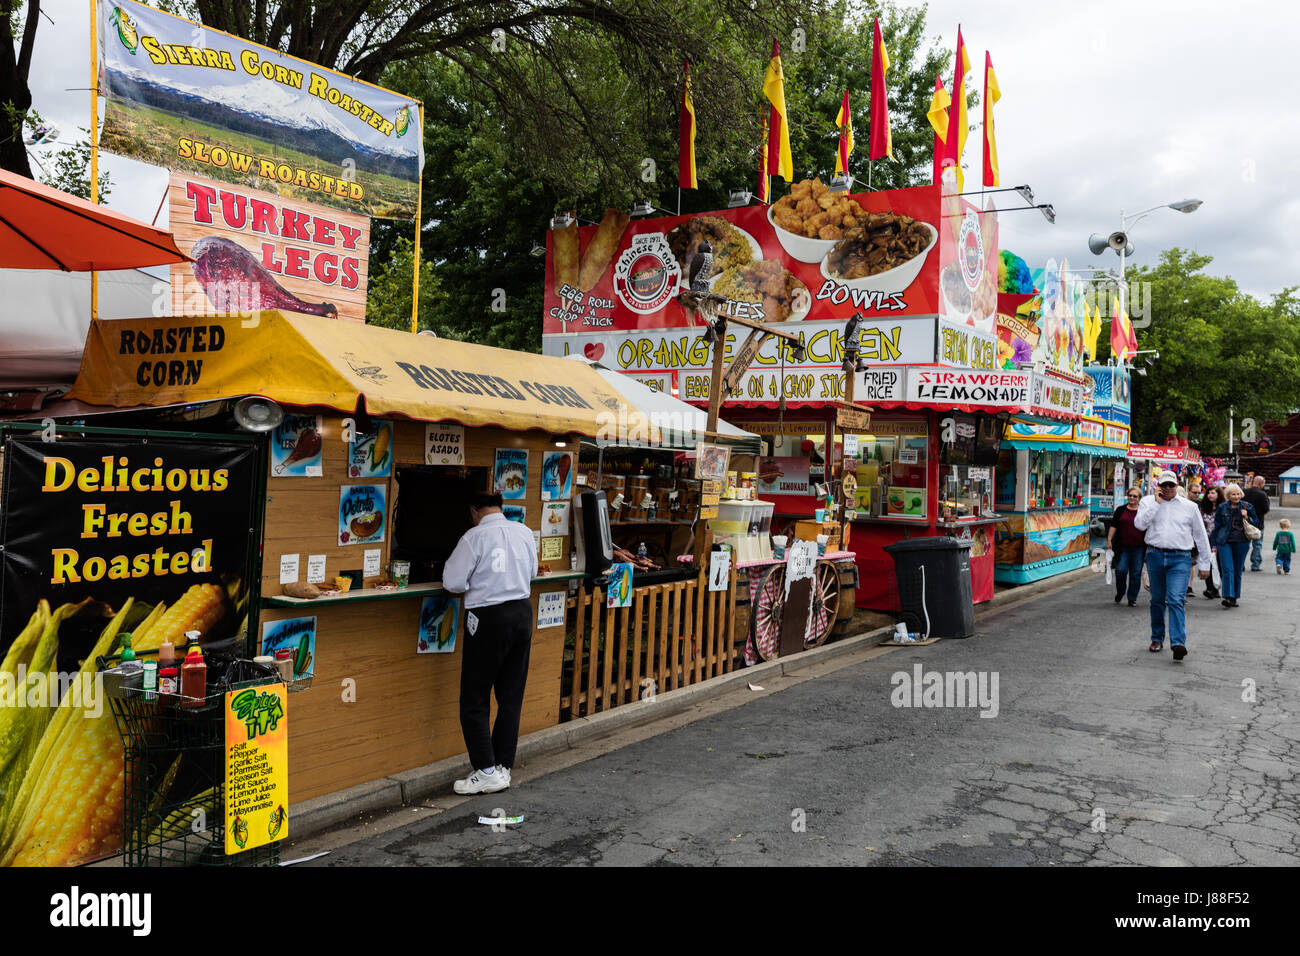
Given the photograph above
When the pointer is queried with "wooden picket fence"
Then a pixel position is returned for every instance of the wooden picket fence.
(672, 635)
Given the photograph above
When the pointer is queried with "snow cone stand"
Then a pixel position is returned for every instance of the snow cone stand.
(882, 410)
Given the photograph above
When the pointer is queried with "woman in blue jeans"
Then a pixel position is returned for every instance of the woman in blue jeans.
(1229, 537)
(1128, 544)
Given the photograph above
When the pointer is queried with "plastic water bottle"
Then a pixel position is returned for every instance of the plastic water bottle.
(640, 550)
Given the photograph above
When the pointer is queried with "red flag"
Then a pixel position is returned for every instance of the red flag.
(763, 175)
(882, 144)
(938, 117)
(956, 140)
(686, 138)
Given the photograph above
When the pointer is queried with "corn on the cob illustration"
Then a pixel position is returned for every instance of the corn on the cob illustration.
(126, 31)
(21, 726)
(379, 450)
(69, 807)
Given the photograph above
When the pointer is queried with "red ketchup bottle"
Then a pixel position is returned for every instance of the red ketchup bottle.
(194, 678)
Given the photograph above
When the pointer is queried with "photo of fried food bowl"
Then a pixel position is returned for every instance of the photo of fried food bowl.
(648, 276)
(811, 219)
(883, 254)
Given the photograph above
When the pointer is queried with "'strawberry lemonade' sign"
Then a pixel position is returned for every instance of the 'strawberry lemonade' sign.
(953, 387)
(254, 251)
(257, 767)
(113, 520)
(185, 97)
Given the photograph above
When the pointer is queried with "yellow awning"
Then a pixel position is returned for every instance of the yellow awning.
(311, 361)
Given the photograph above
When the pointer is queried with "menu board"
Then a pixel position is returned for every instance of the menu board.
(257, 767)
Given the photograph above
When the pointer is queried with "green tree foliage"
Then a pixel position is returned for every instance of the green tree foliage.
(531, 108)
(1220, 349)
(488, 193)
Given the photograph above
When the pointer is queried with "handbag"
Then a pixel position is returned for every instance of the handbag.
(1252, 533)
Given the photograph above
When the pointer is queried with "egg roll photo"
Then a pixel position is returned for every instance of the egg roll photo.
(601, 249)
(564, 261)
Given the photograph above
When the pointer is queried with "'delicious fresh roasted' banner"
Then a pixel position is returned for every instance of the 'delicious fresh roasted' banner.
(112, 519)
(186, 97)
(150, 535)
(253, 251)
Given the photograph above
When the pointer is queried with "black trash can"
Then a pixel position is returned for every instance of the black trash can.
(934, 580)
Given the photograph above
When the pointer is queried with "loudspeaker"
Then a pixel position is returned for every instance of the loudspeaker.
(1097, 244)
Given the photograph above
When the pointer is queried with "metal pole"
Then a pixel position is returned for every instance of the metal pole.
(1123, 305)
(94, 138)
(1231, 412)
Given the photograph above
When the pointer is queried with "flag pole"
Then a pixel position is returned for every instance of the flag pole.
(415, 253)
(94, 138)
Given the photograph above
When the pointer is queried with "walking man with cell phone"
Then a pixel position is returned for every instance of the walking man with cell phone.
(1174, 530)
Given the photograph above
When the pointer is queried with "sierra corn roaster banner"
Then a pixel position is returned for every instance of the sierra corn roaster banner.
(186, 97)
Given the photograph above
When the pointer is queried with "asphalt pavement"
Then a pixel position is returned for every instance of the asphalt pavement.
(1093, 751)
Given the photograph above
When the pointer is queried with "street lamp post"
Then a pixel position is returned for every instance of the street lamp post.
(1119, 241)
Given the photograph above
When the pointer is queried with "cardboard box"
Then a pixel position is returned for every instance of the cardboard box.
(809, 530)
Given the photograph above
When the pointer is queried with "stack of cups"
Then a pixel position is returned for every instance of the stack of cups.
(780, 541)
(821, 544)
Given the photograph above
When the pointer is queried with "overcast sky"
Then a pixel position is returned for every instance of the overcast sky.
(1105, 106)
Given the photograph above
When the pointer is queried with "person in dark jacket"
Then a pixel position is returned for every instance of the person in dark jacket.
(1232, 542)
(1129, 546)
(1257, 498)
(1209, 503)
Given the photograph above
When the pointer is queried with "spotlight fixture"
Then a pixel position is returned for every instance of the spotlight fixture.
(1049, 213)
(839, 183)
(1026, 194)
(560, 441)
(537, 250)
(562, 221)
(257, 414)
(739, 197)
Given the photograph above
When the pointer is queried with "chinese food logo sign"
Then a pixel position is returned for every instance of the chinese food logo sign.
(257, 767)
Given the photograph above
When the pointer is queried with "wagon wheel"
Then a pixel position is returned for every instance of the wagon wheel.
(766, 612)
(825, 604)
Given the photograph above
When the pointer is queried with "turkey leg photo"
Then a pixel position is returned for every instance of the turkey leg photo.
(307, 445)
(234, 281)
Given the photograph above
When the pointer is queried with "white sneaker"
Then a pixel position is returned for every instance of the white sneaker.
(480, 782)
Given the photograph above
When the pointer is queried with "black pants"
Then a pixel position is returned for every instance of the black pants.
(495, 656)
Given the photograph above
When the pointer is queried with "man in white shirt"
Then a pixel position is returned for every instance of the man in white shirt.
(1173, 528)
(493, 566)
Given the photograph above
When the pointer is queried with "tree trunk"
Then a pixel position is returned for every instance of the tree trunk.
(15, 97)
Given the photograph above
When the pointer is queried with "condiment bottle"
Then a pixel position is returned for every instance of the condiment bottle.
(194, 677)
(149, 683)
(166, 682)
(166, 656)
(127, 653)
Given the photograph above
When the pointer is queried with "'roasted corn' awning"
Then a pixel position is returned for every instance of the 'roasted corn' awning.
(318, 362)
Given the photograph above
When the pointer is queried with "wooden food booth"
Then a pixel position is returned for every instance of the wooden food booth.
(334, 508)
